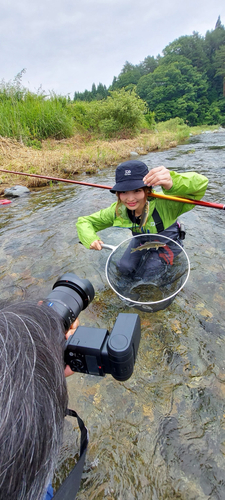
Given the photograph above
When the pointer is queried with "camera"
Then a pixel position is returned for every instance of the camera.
(89, 350)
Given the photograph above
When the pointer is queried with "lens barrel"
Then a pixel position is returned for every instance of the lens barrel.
(69, 296)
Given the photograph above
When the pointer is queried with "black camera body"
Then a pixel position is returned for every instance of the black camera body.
(97, 352)
(94, 350)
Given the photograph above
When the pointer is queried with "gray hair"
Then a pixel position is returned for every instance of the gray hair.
(33, 399)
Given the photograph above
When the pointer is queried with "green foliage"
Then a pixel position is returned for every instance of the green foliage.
(190, 47)
(175, 88)
(216, 113)
(176, 126)
(150, 119)
(172, 125)
(126, 109)
(130, 74)
(32, 117)
(219, 62)
(80, 112)
(34, 143)
(126, 78)
(122, 111)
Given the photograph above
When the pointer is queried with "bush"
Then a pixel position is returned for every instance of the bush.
(121, 111)
(150, 119)
(172, 124)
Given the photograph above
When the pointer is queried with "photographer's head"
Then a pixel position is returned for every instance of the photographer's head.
(33, 398)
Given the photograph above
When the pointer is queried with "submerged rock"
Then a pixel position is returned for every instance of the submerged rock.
(16, 191)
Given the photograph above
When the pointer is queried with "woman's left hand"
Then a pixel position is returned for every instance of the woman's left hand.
(70, 332)
(159, 176)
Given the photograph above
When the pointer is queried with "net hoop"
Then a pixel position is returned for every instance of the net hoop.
(163, 302)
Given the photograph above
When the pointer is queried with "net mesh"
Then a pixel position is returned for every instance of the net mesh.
(147, 271)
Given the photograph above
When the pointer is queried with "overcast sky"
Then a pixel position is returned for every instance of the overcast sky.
(66, 45)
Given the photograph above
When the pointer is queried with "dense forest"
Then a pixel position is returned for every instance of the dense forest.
(187, 81)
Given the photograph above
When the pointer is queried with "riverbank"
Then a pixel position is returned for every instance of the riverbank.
(81, 154)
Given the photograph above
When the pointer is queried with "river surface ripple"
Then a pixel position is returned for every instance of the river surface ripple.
(161, 434)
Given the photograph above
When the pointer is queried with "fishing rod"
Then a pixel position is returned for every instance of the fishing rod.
(102, 186)
(188, 200)
(58, 179)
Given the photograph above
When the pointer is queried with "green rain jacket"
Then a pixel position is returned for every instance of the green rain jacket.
(189, 184)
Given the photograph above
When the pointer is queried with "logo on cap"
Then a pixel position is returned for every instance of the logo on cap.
(127, 172)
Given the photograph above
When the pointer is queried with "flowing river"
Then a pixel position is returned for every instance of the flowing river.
(161, 434)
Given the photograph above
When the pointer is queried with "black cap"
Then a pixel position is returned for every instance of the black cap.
(129, 176)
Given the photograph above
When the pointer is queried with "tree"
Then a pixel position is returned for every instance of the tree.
(218, 23)
(219, 65)
(214, 40)
(191, 47)
(148, 65)
(127, 68)
(101, 92)
(126, 79)
(91, 95)
(93, 90)
(175, 89)
(131, 74)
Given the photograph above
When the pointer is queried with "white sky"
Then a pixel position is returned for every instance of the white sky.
(66, 45)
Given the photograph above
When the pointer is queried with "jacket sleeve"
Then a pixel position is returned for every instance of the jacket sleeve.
(190, 184)
(88, 225)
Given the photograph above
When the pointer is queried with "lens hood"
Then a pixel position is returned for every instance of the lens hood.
(81, 286)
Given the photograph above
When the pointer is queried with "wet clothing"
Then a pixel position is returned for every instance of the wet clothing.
(188, 184)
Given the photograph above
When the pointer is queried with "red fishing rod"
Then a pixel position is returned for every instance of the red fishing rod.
(102, 186)
(58, 179)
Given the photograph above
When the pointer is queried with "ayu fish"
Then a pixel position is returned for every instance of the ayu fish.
(148, 245)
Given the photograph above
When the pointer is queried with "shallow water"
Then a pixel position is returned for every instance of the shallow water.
(161, 434)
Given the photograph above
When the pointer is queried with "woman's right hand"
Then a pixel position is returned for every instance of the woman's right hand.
(96, 245)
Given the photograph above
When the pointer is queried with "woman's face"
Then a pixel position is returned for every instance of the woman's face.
(134, 200)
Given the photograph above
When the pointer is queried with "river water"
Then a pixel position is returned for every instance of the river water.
(161, 434)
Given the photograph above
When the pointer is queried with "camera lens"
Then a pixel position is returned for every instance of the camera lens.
(70, 295)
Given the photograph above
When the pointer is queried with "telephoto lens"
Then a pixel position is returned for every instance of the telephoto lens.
(69, 296)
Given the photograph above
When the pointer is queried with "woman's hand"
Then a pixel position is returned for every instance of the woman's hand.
(70, 332)
(159, 176)
(96, 245)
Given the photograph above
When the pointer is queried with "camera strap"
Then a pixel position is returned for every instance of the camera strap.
(70, 487)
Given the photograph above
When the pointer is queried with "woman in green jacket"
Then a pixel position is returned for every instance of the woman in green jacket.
(140, 213)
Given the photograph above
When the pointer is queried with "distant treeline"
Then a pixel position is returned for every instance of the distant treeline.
(187, 81)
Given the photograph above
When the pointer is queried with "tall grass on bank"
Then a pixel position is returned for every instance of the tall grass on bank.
(26, 116)
(35, 119)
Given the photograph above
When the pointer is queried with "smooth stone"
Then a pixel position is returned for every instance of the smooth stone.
(16, 191)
